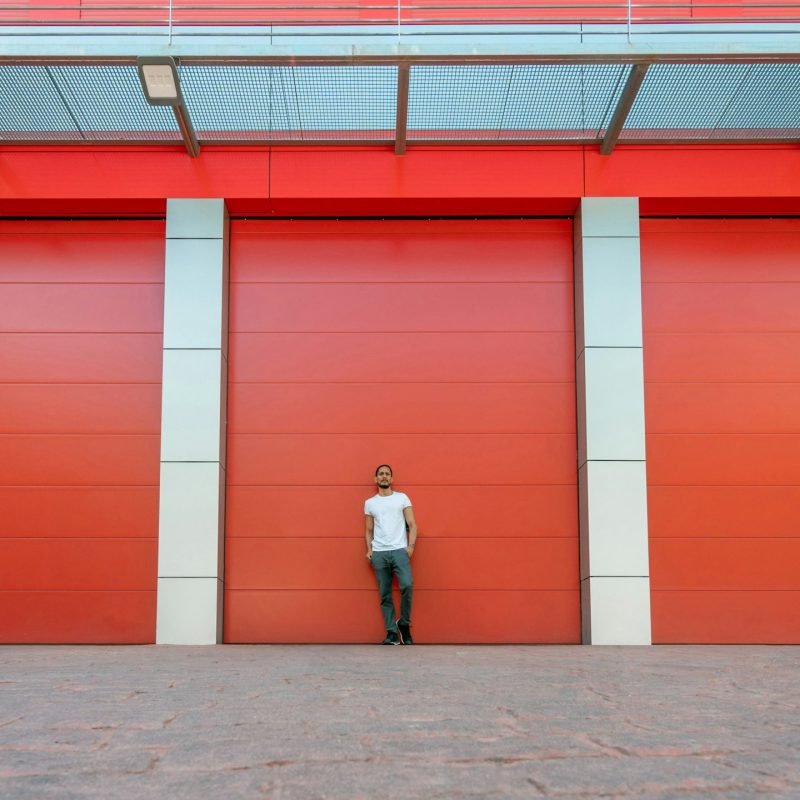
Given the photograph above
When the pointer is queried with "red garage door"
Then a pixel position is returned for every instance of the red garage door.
(722, 371)
(443, 348)
(81, 315)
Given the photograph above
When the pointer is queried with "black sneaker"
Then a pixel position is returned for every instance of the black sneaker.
(391, 638)
(405, 633)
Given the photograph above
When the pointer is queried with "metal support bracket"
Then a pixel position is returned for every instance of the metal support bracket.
(401, 127)
(623, 108)
(187, 130)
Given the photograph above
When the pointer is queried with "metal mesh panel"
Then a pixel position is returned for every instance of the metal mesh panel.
(451, 102)
(536, 102)
(566, 99)
(294, 103)
(716, 101)
(547, 103)
(31, 107)
(766, 105)
(345, 99)
(226, 100)
(108, 103)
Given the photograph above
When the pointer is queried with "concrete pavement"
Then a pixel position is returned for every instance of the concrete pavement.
(407, 722)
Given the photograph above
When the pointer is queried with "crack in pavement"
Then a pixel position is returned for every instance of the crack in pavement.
(132, 694)
(275, 763)
(104, 741)
(607, 697)
(753, 770)
(150, 767)
(659, 752)
(538, 785)
(610, 749)
(647, 790)
(520, 759)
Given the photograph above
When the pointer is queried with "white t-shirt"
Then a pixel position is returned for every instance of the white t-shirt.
(389, 532)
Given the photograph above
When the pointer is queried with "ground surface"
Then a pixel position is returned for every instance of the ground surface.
(411, 722)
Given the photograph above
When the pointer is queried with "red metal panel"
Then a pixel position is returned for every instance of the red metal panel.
(725, 617)
(726, 250)
(315, 181)
(132, 173)
(81, 308)
(96, 358)
(37, 12)
(417, 357)
(422, 344)
(88, 460)
(694, 171)
(146, 235)
(702, 511)
(488, 617)
(79, 617)
(730, 564)
(543, 616)
(80, 408)
(728, 357)
(327, 563)
(703, 459)
(420, 458)
(304, 252)
(741, 206)
(372, 206)
(723, 408)
(74, 207)
(371, 12)
(743, 11)
(722, 307)
(425, 407)
(37, 253)
(723, 444)
(80, 358)
(430, 172)
(79, 511)
(61, 564)
(448, 511)
(445, 307)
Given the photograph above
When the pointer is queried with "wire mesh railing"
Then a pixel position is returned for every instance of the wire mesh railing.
(182, 14)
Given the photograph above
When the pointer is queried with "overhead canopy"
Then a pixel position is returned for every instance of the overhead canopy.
(445, 104)
(571, 83)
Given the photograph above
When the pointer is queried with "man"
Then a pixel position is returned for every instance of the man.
(391, 533)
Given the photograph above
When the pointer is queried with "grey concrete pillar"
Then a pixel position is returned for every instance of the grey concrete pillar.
(615, 575)
(193, 413)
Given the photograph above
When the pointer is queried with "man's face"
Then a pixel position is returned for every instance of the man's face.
(384, 478)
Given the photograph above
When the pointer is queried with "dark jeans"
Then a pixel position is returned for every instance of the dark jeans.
(386, 564)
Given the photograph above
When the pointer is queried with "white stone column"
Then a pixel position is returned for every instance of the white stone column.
(615, 573)
(193, 414)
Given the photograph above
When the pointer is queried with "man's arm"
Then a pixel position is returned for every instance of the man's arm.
(408, 513)
(369, 523)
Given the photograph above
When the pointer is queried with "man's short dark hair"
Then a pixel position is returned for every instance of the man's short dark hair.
(381, 466)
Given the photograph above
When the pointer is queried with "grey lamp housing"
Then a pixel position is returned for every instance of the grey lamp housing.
(161, 85)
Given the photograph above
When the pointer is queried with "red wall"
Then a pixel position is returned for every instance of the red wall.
(254, 12)
(81, 311)
(444, 348)
(722, 373)
(425, 182)
(703, 180)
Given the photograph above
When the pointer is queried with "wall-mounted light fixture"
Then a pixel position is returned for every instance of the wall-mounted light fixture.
(162, 87)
